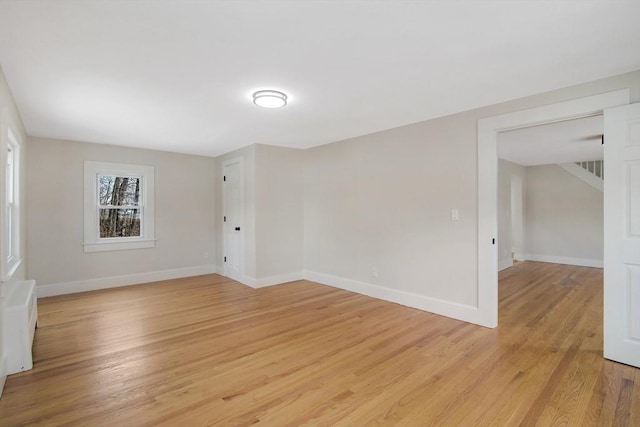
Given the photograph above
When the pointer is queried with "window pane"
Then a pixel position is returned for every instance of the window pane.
(9, 233)
(10, 162)
(118, 190)
(119, 223)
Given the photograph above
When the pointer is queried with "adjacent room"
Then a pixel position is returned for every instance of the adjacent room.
(550, 193)
(319, 213)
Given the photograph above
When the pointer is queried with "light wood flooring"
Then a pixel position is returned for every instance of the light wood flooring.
(210, 351)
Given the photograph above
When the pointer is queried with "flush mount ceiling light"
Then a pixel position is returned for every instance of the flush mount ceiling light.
(270, 99)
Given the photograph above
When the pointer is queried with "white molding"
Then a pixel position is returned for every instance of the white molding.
(52, 289)
(454, 310)
(12, 268)
(118, 246)
(503, 264)
(92, 241)
(3, 372)
(9, 264)
(488, 129)
(584, 175)
(271, 280)
(278, 279)
(582, 262)
(519, 256)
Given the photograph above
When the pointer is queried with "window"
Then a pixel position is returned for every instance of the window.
(11, 242)
(118, 207)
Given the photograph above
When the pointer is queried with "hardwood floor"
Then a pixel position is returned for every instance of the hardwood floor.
(209, 351)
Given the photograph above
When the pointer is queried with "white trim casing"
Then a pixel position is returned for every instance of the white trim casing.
(53, 289)
(9, 265)
(582, 262)
(518, 256)
(92, 241)
(119, 246)
(3, 372)
(488, 181)
(271, 280)
(454, 310)
(462, 312)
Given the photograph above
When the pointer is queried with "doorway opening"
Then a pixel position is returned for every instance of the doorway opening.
(550, 207)
(488, 130)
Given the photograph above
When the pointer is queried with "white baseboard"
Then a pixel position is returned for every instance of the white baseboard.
(3, 372)
(454, 310)
(271, 280)
(52, 289)
(582, 262)
(503, 264)
(518, 256)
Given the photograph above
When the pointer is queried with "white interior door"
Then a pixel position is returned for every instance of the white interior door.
(232, 219)
(622, 234)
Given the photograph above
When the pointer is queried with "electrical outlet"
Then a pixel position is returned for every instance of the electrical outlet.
(205, 255)
(374, 271)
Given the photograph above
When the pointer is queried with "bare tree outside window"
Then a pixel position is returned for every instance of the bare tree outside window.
(120, 209)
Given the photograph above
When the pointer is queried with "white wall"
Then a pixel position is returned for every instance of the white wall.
(280, 219)
(184, 218)
(379, 203)
(563, 218)
(384, 201)
(510, 217)
(10, 118)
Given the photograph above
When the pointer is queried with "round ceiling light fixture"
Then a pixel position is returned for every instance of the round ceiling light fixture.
(270, 99)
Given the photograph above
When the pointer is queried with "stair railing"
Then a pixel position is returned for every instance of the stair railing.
(596, 167)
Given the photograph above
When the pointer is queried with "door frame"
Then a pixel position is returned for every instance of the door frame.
(488, 128)
(225, 270)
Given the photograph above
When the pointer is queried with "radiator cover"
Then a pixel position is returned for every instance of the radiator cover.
(20, 322)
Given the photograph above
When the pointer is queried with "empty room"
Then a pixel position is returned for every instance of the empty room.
(321, 213)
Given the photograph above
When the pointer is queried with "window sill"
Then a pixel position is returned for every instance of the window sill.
(118, 246)
(11, 268)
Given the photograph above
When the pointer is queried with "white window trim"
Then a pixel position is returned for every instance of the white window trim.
(10, 264)
(92, 240)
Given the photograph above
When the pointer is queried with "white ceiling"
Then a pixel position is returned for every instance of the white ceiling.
(177, 75)
(563, 142)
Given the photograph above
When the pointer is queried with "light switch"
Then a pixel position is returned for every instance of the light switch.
(455, 215)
